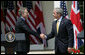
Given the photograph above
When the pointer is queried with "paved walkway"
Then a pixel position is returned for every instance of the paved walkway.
(42, 52)
(39, 52)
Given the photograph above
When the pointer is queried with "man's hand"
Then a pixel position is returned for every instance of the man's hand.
(42, 36)
(69, 49)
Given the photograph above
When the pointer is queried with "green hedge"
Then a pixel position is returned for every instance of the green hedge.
(81, 48)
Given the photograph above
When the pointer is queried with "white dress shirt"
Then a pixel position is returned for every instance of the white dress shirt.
(23, 18)
(59, 20)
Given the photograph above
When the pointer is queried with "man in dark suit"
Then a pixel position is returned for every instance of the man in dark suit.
(22, 27)
(62, 29)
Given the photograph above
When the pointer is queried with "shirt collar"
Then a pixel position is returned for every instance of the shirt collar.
(59, 19)
(22, 18)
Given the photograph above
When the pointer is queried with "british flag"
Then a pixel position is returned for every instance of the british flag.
(40, 26)
(76, 20)
(2, 22)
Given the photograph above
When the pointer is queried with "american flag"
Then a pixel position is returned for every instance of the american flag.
(19, 4)
(31, 22)
(10, 17)
(63, 6)
(76, 20)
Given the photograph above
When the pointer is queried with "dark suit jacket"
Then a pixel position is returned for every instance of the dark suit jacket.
(22, 27)
(65, 36)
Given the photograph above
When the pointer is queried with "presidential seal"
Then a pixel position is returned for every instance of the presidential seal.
(10, 37)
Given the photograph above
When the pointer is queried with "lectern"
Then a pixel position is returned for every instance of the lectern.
(9, 46)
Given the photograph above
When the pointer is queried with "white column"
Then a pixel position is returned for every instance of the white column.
(56, 4)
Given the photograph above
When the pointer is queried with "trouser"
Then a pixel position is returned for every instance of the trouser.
(9, 50)
(21, 52)
(61, 49)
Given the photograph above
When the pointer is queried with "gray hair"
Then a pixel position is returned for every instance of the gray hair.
(59, 10)
(21, 10)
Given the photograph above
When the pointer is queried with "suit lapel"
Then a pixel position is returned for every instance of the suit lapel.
(55, 27)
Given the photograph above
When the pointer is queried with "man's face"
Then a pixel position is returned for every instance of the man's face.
(55, 14)
(25, 14)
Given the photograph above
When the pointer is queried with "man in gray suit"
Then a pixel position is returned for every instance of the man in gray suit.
(22, 27)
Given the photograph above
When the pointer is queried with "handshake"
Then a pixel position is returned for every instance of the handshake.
(42, 36)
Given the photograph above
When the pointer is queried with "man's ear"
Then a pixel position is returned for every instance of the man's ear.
(22, 13)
